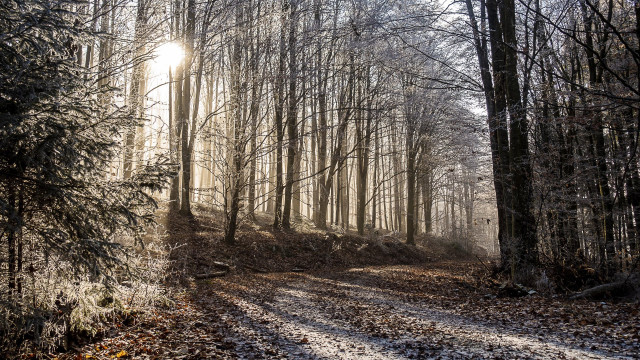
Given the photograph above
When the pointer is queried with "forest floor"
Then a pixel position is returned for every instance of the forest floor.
(285, 298)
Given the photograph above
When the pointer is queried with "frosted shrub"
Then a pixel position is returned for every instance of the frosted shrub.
(54, 310)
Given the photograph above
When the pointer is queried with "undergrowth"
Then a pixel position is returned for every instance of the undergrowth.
(57, 309)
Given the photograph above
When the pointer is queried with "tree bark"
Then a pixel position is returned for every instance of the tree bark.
(279, 100)
(138, 85)
(291, 117)
(185, 109)
(496, 104)
(236, 176)
(523, 227)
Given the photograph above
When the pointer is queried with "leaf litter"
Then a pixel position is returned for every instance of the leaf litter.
(342, 308)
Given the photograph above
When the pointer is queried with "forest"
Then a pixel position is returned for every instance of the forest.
(319, 179)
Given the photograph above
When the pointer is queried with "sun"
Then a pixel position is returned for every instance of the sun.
(168, 55)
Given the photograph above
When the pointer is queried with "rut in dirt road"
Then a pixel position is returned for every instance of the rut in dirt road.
(384, 313)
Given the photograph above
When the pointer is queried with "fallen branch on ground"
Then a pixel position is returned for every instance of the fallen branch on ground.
(210, 275)
(221, 265)
(618, 288)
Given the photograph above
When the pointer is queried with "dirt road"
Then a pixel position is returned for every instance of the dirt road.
(399, 312)
(408, 312)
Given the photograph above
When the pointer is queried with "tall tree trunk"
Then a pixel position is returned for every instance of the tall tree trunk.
(452, 202)
(411, 187)
(104, 54)
(633, 185)
(567, 159)
(604, 191)
(376, 184)
(496, 106)
(291, 116)
(397, 179)
(189, 39)
(523, 228)
(427, 200)
(343, 188)
(208, 172)
(196, 106)
(272, 177)
(363, 133)
(361, 179)
(279, 100)
(173, 149)
(468, 195)
(88, 60)
(384, 195)
(296, 205)
(137, 90)
(236, 176)
(256, 92)
(176, 104)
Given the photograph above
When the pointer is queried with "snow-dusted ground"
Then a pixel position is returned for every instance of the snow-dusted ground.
(438, 311)
(310, 317)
